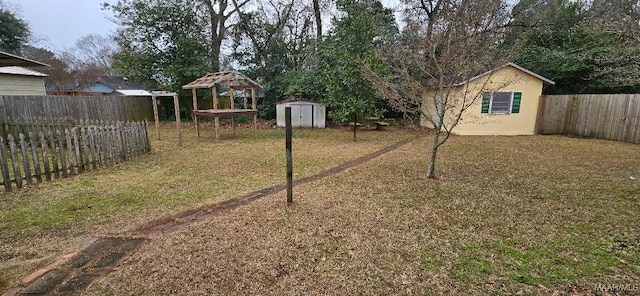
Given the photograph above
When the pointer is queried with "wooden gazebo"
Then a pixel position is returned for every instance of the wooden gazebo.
(234, 80)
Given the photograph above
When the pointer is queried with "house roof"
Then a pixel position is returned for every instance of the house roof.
(134, 92)
(544, 79)
(7, 59)
(232, 79)
(119, 83)
(14, 70)
(162, 93)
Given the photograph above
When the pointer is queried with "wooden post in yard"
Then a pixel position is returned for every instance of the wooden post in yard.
(176, 106)
(195, 107)
(232, 95)
(254, 108)
(216, 118)
(154, 101)
(288, 134)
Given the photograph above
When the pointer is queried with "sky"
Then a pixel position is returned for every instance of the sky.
(58, 24)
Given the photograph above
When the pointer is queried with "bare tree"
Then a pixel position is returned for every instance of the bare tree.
(218, 12)
(62, 77)
(95, 50)
(273, 35)
(445, 43)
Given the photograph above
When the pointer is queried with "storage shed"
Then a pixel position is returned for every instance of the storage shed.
(18, 81)
(304, 113)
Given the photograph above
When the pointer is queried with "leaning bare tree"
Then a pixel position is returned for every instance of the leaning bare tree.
(445, 43)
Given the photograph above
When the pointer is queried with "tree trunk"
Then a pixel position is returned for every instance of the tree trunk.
(316, 12)
(355, 126)
(431, 171)
(217, 22)
(215, 56)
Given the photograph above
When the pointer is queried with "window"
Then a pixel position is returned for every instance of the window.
(501, 102)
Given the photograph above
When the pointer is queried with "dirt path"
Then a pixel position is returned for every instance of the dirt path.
(73, 273)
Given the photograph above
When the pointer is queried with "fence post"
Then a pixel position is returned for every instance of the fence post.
(76, 143)
(63, 157)
(54, 156)
(14, 160)
(146, 136)
(25, 159)
(45, 157)
(36, 160)
(70, 161)
(92, 146)
(288, 145)
(5, 166)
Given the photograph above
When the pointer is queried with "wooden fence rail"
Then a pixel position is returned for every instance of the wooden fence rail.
(19, 126)
(613, 117)
(60, 153)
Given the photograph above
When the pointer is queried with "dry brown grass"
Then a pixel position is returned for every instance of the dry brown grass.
(533, 215)
(41, 224)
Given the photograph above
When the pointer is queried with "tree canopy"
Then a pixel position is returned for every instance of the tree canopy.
(366, 25)
(584, 48)
(14, 32)
(162, 40)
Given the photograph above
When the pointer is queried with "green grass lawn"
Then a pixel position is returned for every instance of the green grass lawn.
(534, 214)
(40, 224)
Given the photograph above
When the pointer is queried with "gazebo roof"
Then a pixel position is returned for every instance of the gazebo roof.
(233, 79)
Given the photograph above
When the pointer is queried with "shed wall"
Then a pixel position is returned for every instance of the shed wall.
(303, 114)
(20, 85)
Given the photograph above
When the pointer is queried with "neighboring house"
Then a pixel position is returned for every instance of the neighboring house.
(304, 113)
(114, 86)
(18, 81)
(506, 102)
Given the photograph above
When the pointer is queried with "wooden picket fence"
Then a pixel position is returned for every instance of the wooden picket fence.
(70, 151)
(42, 124)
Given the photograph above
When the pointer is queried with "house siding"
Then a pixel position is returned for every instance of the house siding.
(19, 85)
(507, 79)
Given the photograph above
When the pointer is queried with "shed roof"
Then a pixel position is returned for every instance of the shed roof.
(294, 100)
(232, 79)
(7, 59)
(14, 70)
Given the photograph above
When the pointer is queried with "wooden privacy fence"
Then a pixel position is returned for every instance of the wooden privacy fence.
(106, 108)
(613, 117)
(60, 153)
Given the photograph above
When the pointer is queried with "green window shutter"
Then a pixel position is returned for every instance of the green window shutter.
(486, 102)
(515, 106)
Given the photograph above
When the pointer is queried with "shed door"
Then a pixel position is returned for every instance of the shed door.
(295, 115)
(306, 115)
